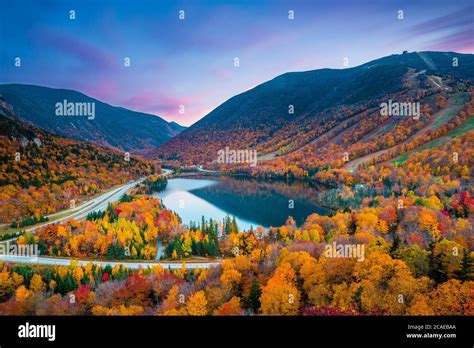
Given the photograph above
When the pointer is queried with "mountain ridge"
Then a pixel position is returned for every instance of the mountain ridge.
(316, 97)
(114, 126)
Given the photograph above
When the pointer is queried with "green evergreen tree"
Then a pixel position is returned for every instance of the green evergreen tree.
(70, 283)
(252, 301)
(465, 271)
(234, 227)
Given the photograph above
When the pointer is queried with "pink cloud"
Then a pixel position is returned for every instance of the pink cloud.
(224, 73)
(83, 51)
(104, 88)
(156, 101)
(167, 106)
(460, 42)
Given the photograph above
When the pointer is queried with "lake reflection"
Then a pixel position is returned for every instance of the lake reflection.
(252, 202)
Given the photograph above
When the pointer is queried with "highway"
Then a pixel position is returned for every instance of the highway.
(96, 204)
(56, 261)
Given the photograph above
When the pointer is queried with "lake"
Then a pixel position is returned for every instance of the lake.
(252, 202)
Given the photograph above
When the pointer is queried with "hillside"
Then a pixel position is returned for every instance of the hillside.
(41, 172)
(111, 126)
(326, 103)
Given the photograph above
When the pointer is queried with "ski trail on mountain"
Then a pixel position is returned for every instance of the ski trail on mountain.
(428, 61)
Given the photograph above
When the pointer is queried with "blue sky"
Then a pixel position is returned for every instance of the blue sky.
(190, 62)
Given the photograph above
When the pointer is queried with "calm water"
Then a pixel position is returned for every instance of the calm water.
(253, 203)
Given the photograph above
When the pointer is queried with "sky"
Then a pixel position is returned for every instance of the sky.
(181, 69)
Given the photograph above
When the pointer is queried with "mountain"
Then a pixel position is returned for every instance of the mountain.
(321, 100)
(111, 126)
(40, 172)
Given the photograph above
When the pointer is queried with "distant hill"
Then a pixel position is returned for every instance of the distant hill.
(112, 126)
(40, 172)
(261, 118)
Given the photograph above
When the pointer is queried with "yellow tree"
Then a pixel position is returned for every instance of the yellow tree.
(197, 304)
(386, 284)
(453, 298)
(78, 274)
(36, 284)
(22, 293)
(321, 276)
(8, 283)
(171, 304)
(420, 306)
(230, 278)
(281, 296)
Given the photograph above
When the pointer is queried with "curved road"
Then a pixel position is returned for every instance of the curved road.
(40, 260)
(96, 204)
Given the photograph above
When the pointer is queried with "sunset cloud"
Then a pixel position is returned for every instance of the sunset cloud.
(190, 62)
(453, 31)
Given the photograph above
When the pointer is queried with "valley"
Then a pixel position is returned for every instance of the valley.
(181, 216)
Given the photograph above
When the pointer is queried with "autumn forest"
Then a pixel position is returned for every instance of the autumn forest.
(397, 239)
